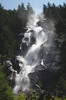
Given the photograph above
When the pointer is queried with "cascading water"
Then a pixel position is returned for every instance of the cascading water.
(30, 60)
(34, 56)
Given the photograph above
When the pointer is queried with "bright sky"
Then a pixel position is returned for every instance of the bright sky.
(36, 4)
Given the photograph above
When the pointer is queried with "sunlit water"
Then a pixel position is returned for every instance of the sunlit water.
(38, 44)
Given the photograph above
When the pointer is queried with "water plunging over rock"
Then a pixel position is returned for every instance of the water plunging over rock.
(35, 55)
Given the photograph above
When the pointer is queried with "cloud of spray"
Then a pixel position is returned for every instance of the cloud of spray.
(33, 19)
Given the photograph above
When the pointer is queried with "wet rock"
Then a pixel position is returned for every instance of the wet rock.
(24, 47)
(16, 65)
(48, 79)
(32, 40)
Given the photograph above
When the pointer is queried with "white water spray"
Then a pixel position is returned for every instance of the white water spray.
(31, 59)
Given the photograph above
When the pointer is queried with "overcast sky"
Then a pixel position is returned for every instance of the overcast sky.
(36, 4)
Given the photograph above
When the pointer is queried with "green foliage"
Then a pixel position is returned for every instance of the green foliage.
(7, 41)
(56, 98)
(33, 96)
(61, 33)
(19, 97)
(52, 11)
(12, 23)
(5, 90)
(61, 86)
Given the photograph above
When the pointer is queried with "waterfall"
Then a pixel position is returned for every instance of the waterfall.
(38, 42)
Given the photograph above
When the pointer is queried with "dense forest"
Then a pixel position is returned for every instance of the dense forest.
(12, 23)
